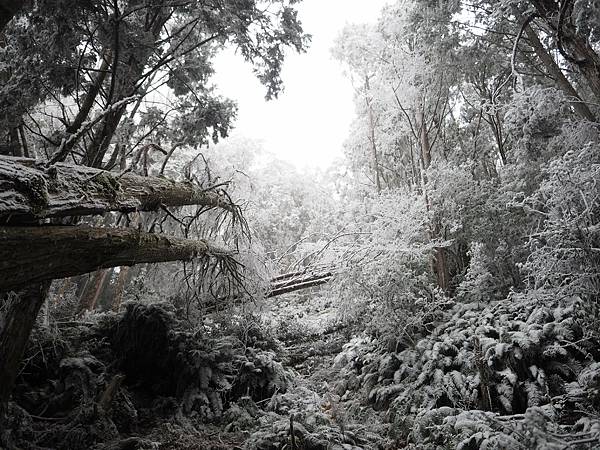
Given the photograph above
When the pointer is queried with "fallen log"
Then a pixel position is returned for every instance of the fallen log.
(31, 256)
(287, 276)
(283, 281)
(35, 254)
(31, 191)
(286, 288)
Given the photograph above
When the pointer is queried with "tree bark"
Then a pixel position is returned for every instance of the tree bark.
(36, 254)
(294, 278)
(78, 123)
(125, 84)
(89, 298)
(295, 281)
(588, 63)
(424, 139)
(438, 261)
(120, 288)
(573, 46)
(93, 91)
(495, 122)
(372, 134)
(16, 323)
(29, 191)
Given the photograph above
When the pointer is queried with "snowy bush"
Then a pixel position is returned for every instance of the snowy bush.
(505, 358)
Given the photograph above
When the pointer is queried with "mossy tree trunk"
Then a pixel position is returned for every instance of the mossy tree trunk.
(30, 257)
(36, 254)
(30, 191)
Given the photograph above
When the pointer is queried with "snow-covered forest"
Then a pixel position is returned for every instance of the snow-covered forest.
(166, 283)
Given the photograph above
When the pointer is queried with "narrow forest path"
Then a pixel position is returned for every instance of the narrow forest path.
(313, 336)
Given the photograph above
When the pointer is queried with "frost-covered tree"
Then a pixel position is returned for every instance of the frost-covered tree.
(75, 77)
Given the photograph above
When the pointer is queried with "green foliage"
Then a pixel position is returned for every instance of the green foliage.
(464, 152)
(198, 114)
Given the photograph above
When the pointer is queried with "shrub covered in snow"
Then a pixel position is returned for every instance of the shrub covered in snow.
(525, 355)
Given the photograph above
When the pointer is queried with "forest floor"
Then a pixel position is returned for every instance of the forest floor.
(269, 383)
(313, 338)
(291, 376)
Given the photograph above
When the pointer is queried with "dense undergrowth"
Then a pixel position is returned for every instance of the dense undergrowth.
(144, 379)
(164, 371)
(520, 373)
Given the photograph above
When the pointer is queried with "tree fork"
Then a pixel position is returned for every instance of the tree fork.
(29, 191)
(156, 17)
(561, 80)
(553, 68)
(37, 254)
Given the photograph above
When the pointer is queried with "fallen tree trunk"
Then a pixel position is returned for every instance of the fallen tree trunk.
(292, 279)
(35, 254)
(280, 288)
(31, 256)
(31, 191)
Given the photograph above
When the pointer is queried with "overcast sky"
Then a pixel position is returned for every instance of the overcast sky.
(310, 120)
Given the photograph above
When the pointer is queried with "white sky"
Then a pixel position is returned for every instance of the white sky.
(310, 120)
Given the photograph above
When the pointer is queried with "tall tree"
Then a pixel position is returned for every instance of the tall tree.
(411, 71)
